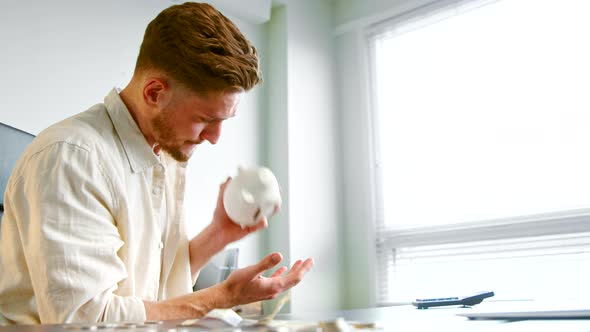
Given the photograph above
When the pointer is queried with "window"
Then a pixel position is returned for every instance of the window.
(482, 122)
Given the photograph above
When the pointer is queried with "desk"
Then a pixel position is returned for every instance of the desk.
(403, 318)
(396, 319)
(409, 319)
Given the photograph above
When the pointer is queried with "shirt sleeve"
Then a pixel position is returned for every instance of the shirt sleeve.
(65, 204)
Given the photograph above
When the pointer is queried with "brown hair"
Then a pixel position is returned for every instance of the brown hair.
(199, 47)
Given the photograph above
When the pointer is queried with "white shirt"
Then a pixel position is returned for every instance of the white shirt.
(81, 238)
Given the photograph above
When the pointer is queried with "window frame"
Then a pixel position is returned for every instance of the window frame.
(386, 238)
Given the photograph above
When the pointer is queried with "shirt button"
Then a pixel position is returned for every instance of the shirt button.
(161, 245)
(156, 190)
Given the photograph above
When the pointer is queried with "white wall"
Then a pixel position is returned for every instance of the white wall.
(60, 57)
(313, 171)
(358, 209)
(351, 18)
(302, 115)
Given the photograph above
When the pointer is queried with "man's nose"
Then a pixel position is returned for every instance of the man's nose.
(212, 132)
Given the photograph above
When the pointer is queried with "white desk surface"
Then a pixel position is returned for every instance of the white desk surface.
(396, 319)
(408, 318)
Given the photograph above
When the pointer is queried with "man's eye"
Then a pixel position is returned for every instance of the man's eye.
(201, 120)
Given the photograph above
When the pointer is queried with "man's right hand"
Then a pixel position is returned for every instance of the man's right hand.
(249, 285)
(243, 286)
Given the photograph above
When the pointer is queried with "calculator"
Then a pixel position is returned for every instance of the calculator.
(444, 301)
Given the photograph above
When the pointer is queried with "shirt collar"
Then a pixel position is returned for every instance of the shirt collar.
(139, 153)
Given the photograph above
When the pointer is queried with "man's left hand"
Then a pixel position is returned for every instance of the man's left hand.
(229, 230)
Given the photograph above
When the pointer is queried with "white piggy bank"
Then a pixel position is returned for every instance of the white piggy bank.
(253, 193)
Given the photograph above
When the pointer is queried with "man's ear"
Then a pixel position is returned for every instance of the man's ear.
(156, 92)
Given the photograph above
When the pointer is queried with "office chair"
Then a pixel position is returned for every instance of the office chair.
(12, 144)
(217, 269)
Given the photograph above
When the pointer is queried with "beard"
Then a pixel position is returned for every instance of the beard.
(166, 139)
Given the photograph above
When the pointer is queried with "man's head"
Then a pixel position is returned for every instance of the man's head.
(193, 66)
(186, 119)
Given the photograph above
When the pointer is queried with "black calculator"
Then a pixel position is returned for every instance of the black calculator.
(444, 301)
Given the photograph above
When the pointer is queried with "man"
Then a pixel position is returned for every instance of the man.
(93, 227)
